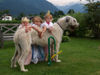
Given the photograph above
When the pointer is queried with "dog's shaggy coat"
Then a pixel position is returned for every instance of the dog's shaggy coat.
(24, 40)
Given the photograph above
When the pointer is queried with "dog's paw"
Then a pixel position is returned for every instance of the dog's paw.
(11, 66)
(25, 70)
(58, 60)
(15, 66)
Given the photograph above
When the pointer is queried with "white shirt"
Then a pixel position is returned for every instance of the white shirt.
(32, 24)
(47, 25)
(20, 26)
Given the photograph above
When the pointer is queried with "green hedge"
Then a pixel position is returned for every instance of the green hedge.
(65, 39)
(13, 21)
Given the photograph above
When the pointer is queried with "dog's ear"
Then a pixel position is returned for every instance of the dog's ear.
(67, 19)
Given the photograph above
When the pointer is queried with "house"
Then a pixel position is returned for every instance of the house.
(6, 17)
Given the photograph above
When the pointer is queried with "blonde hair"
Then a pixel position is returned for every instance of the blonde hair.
(37, 18)
(25, 19)
(48, 15)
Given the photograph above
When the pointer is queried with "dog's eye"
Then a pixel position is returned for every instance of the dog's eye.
(67, 19)
(74, 20)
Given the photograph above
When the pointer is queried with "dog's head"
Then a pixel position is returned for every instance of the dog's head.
(68, 23)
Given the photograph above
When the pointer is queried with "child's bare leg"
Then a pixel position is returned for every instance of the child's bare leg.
(28, 59)
(46, 53)
(52, 50)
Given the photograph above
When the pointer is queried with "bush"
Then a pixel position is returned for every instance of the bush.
(93, 18)
(65, 39)
(13, 21)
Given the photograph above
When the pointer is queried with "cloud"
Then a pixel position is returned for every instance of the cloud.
(66, 2)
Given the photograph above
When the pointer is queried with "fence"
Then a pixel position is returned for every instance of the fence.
(7, 32)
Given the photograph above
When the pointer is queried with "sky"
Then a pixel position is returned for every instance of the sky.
(65, 2)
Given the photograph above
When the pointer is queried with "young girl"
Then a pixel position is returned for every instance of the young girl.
(25, 23)
(49, 25)
(48, 22)
(37, 51)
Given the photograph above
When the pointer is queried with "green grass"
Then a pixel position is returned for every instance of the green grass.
(80, 56)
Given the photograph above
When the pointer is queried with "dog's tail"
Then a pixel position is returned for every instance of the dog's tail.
(16, 55)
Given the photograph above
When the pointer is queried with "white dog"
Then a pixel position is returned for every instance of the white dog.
(24, 40)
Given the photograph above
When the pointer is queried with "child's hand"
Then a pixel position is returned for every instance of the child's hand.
(39, 33)
(50, 30)
(27, 29)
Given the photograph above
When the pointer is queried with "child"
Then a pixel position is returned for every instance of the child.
(25, 23)
(48, 22)
(49, 25)
(37, 21)
(37, 51)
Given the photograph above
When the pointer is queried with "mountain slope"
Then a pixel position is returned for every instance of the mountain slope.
(27, 6)
(77, 8)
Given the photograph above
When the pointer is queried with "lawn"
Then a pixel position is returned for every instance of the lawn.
(80, 56)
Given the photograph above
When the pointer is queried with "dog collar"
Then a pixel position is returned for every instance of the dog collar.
(60, 25)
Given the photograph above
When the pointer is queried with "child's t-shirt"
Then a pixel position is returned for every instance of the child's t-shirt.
(20, 26)
(32, 24)
(47, 25)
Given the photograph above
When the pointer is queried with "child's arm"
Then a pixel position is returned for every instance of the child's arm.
(20, 26)
(39, 32)
(26, 29)
(36, 29)
(50, 29)
(44, 29)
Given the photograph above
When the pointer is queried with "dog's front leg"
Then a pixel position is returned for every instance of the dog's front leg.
(57, 50)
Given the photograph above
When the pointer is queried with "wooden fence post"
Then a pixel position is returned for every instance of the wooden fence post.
(1, 39)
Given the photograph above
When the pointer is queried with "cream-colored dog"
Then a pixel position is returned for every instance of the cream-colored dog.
(24, 40)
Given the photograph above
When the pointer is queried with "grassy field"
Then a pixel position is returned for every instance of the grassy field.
(80, 56)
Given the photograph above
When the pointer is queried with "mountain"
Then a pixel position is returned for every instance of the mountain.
(27, 6)
(76, 6)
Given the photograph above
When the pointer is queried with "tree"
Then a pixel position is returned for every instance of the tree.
(6, 11)
(42, 14)
(93, 17)
(2, 12)
(20, 16)
(71, 11)
(58, 13)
